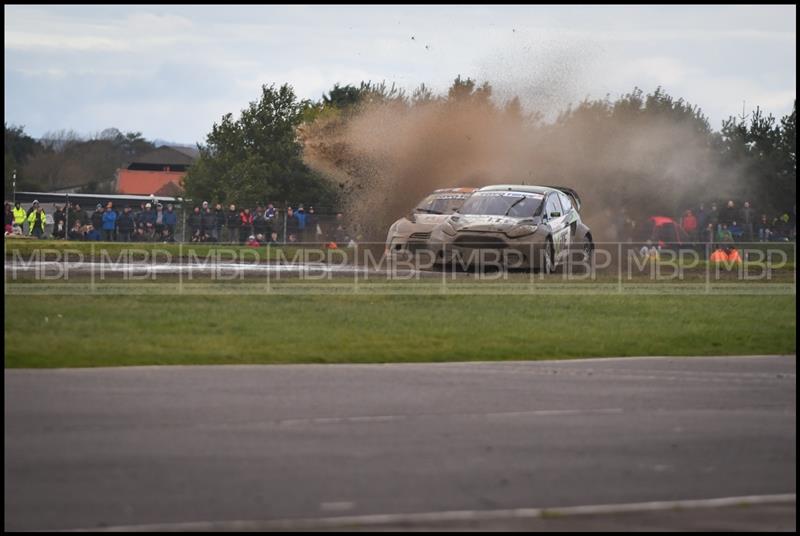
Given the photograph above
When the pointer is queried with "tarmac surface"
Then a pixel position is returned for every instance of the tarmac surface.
(598, 444)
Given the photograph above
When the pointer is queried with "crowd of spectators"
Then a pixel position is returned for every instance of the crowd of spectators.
(154, 222)
(734, 223)
(729, 222)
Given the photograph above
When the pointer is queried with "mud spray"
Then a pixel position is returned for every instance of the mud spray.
(386, 156)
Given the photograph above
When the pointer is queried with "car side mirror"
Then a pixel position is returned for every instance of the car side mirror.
(555, 214)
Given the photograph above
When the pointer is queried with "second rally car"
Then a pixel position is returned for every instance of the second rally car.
(411, 233)
(516, 226)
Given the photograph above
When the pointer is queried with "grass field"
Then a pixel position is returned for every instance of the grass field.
(93, 330)
(86, 320)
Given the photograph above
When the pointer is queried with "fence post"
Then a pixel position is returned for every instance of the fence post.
(285, 205)
(66, 216)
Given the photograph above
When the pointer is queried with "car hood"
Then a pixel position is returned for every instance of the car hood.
(422, 223)
(430, 220)
(468, 222)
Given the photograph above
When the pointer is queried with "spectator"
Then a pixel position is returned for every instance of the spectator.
(246, 225)
(59, 223)
(76, 233)
(709, 233)
(166, 236)
(138, 217)
(219, 223)
(170, 221)
(147, 220)
(713, 216)
(208, 220)
(233, 223)
(689, 224)
(764, 229)
(736, 231)
(20, 216)
(92, 233)
(273, 237)
(252, 242)
(300, 215)
(719, 255)
(109, 223)
(291, 225)
(76, 214)
(196, 225)
(97, 217)
(138, 235)
(644, 251)
(36, 221)
(724, 234)
(9, 221)
(260, 221)
(747, 219)
(159, 221)
(728, 214)
(125, 225)
(314, 231)
(271, 215)
(701, 216)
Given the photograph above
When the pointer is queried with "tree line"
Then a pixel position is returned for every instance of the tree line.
(645, 150)
(65, 159)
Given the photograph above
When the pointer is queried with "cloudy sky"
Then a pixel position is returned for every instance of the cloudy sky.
(172, 71)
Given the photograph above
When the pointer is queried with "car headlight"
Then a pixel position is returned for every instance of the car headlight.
(448, 229)
(521, 230)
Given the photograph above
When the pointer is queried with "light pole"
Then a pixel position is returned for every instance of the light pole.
(14, 187)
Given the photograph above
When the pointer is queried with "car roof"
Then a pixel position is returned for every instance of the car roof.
(518, 188)
(461, 190)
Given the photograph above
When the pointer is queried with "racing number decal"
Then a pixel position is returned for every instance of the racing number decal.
(561, 240)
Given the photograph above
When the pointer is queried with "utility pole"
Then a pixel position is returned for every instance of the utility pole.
(14, 187)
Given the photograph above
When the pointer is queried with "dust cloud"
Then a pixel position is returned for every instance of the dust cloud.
(386, 156)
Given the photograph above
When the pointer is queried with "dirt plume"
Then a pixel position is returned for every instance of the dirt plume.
(648, 154)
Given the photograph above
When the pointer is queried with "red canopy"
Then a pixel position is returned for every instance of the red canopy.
(662, 220)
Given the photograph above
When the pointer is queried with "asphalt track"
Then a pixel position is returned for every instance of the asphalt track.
(570, 445)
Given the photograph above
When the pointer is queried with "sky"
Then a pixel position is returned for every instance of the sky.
(171, 72)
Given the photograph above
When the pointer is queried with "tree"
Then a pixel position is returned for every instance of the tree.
(18, 149)
(343, 96)
(257, 157)
(763, 153)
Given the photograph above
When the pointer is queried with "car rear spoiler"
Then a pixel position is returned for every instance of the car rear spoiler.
(570, 192)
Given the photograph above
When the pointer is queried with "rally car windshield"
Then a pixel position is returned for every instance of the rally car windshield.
(512, 204)
(440, 203)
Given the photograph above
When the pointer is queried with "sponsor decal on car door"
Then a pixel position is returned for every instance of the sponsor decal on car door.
(559, 226)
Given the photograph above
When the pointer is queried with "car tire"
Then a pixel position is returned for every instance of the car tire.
(548, 266)
(587, 258)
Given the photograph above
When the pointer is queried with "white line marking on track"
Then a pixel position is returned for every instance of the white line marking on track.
(395, 418)
(379, 520)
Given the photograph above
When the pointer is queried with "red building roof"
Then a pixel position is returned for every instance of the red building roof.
(148, 182)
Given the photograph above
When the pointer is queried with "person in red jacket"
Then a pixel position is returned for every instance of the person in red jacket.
(689, 224)
(247, 224)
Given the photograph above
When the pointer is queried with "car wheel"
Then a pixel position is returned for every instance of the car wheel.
(587, 255)
(548, 264)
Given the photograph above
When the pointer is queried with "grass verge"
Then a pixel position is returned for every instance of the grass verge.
(87, 331)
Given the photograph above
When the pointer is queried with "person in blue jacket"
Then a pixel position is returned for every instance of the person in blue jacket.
(170, 219)
(109, 223)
